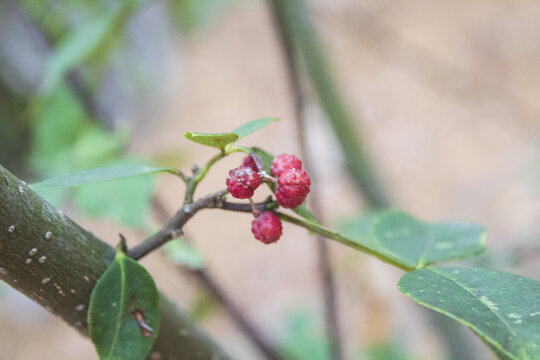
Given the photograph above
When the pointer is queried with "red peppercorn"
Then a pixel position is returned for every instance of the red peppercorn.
(267, 227)
(285, 162)
(242, 182)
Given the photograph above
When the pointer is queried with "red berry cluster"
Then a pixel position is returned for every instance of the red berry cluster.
(291, 187)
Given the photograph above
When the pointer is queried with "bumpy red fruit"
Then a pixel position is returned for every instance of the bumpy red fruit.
(292, 188)
(242, 182)
(250, 163)
(286, 202)
(294, 183)
(285, 162)
(267, 228)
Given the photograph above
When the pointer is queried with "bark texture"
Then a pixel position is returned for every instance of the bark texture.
(52, 260)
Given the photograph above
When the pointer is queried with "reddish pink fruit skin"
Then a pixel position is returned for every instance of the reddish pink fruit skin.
(294, 183)
(242, 182)
(292, 188)
(285, 162)
(267, 228)
(287, 202)
(250, 163)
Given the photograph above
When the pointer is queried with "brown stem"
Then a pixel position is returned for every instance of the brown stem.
(265, 347)
(173, 228)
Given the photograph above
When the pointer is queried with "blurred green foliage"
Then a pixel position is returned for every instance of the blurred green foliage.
(92, 40)
(53, 133)
(183, 254)
(190, 15)
(387, 351)
(203, 306)
(304, 336)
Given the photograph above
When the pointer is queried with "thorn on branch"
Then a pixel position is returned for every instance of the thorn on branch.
(176, 233)
(123, 243)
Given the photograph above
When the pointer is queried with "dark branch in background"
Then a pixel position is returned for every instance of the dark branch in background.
(203, 277)
(73, 78)
(333, 330)
(298, 31)
(55, 262)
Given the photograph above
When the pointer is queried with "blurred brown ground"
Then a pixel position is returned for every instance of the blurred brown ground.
(446, 96)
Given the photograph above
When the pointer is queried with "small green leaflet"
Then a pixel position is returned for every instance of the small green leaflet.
(501, 308)
(123, 315)
(214, 140)
(93, 176)
(252, 126)
(412, 243)
(183, 254)
(221, 140)
(265, 156)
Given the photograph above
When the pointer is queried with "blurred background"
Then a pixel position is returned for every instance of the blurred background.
(444, 97)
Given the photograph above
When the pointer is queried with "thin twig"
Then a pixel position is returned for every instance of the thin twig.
(173, 228)
(333, 331)
(203, 277)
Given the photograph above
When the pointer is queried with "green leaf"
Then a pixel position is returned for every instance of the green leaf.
(126, 201)
(214, 140)
(265, 156)
(98, 175)
(183, 254)
(304, 337)
(57, 123)
(252, 126)
(412, 243)
(124, 293)
(304, 212)
(503, 309)
(88, 39)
